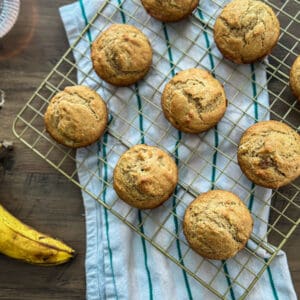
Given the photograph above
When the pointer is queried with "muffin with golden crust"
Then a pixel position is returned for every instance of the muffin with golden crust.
(246, 31)
(217, 224)
(121, 55)
(269, 154)
(145, 176)
(76, 117)
(169, 10)
(194, 101)
(295, 78)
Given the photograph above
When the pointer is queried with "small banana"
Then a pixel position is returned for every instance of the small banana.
(22, 242)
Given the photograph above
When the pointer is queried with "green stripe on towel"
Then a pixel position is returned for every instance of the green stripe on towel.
(272, 281)
(254, 93)
(215, 156)
(177, 161)
(105, 167)
(141, 126)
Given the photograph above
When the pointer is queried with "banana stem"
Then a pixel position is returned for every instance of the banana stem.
(2, 98)
(5, 148)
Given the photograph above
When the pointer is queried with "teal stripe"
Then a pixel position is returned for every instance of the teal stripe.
(225, 268)
(141, 126)
(189, 292)
(215, 157)
(145, 256)
(122, 12)
(208, 46)
(251, 200)
(85, 19)
(171, 62)
(254, 94)
(105, 169)
(272, 282)
(254, 91)
(141, 120)
(139, 212)
(105, 138)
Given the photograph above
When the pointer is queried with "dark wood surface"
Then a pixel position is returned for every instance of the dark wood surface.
(32, 190)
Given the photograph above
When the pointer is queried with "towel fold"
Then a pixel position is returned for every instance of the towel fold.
(120, 264)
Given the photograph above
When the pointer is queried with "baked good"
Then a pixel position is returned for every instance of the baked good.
(121, 55)
(295, 78)
(269, 154)
(169, 10)
(76, 117)
(193, 101)
(145, 176)
(246, 31)
(217, 224)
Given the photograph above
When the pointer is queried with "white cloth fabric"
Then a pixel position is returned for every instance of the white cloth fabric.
(119, 263)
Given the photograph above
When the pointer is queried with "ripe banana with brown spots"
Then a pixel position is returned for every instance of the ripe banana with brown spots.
(22, 242)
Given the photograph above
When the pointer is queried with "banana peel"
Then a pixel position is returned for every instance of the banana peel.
(19, 241)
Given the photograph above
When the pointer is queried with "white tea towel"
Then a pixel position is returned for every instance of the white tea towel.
(119, 263)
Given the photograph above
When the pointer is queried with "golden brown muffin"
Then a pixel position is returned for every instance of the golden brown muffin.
(169, 10)
(121, 55)
(76, 117)
(193, 101)
(295, 78)
(269, 154)
(145, 176)
(246, 31)
(217, 224)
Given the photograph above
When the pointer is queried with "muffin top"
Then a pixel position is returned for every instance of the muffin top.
(121, 55)
(76, 117)
(193, 101)
(169, 10)
(217, 224)
(269, 154)
(145, 176)
(295, 78)
(246, 31)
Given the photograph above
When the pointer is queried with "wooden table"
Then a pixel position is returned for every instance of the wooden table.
(32, 190)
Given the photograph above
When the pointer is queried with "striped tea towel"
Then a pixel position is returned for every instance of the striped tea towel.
(119, 263)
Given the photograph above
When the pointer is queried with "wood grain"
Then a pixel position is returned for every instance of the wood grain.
(32, 190)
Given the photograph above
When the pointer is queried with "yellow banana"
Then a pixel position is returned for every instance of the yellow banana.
(22, 242)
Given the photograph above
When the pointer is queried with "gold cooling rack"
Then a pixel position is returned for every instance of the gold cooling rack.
(283, 206)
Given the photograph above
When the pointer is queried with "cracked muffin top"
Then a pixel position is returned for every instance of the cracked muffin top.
(121, 55)
(246, 31)
(76, 117)
(145, 176)
(295, 78)
(217, 224)
(269, 154)
(194, 101)
(169, 10)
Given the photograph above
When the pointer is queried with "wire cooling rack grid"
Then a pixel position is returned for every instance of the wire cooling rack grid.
(284, 209)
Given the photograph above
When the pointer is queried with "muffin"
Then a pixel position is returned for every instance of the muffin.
(193, 101)
(217, 224)
(76, 117)
(169, 10)
(246, 31)
(269, 154)
(145, 176)
(295, 78)
(121, 55)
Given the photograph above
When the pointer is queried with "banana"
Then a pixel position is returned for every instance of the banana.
(22, 242)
